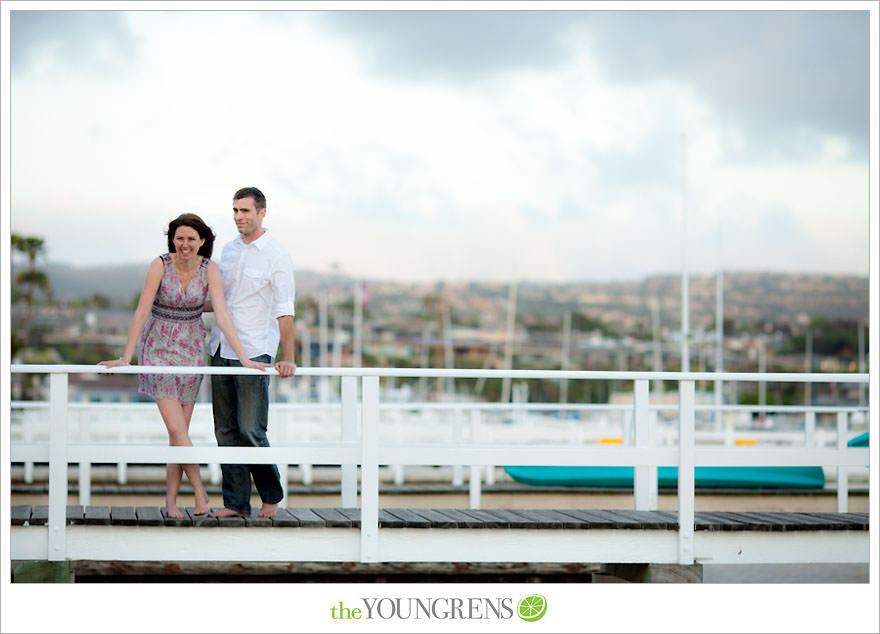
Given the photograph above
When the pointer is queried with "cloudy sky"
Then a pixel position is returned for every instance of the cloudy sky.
(422, 145)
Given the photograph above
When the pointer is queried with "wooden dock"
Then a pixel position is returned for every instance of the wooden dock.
(27, 515)
(140, 543)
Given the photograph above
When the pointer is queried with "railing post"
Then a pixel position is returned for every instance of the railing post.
(122, 467)
(349, 432)
(645, 481)
(686, 437)
(490, 468)
(457, 470)
(57, 466)
(810, 429)
(28, 436)
(84, 472)
(84, 479)
(475, 479)
(370, 470)
(842, 471)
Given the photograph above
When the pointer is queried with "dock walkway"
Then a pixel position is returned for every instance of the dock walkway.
(27, 515)
(561, 544)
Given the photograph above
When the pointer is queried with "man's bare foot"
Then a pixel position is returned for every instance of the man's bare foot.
(173, 512)
(224, 512)
(268, 510)
(203, 507)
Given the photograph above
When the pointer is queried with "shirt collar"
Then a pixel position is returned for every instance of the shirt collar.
(260, 242)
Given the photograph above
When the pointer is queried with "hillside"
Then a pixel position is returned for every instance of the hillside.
(748, 296)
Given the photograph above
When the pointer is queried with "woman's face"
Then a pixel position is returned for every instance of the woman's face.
(187, 242)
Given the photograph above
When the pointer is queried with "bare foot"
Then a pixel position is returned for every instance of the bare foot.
(203, 507)
(268, 510)
(224, 512)
(173, 512)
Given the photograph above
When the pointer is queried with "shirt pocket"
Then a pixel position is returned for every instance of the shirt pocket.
(253, 280)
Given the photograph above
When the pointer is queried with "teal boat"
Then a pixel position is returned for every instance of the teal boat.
(859, 441)
(667, 477)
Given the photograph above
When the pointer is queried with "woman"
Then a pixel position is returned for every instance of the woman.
(168, 330)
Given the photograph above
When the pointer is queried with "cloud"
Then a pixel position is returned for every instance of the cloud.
(459, 46)
(786, 78)
(85, 41)
(529, 160)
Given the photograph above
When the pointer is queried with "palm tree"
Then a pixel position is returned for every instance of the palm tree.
(32, 278)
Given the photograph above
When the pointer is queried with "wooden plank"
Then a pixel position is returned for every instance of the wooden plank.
(853, 521)
(797, 521)
(489, 519)
(332, 517)
(410, 518)
(97, 515)
(203, 521)
(75, 513)
(284, 519)
(307, 517)
(186, 520)
(716, 521)
(782, 521)
(148, 516)
(555, 519)
(513, 520)
(671, 518)
(256, 521)
(652, 519)
(619, 521)
(437, 518)
(353, 514)
(21, 514)
(459, 518)
(387, 520)
(534, 520)
(821, 523)
(123, 516)
(40, 515)
(753, 522)
(588, 519)
(642, 520)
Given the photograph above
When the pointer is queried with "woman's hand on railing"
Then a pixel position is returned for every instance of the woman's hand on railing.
(255, 365)
(113, 363)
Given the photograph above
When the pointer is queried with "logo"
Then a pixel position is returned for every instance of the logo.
(532, 608)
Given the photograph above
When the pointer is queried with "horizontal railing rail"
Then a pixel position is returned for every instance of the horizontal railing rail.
(365, 450)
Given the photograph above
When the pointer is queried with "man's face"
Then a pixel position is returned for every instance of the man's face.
(247, 218)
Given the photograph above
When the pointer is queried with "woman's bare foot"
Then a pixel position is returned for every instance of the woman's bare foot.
(224, 512)
(172, 511)
(268, 510)
(202, 507)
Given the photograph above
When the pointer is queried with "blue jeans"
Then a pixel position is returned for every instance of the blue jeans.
(241, 417)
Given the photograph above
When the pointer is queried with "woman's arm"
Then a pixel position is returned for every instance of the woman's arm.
(148, 294)
(224, 321)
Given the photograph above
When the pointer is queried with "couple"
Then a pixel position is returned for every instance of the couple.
(251, 294)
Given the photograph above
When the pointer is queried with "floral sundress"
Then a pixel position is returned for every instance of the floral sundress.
(174, 335)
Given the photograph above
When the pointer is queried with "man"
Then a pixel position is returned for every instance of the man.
(258, 285)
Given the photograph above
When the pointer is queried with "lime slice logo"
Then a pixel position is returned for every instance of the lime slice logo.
(532, 608)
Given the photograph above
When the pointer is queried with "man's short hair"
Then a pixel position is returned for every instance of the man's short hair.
(252, 192)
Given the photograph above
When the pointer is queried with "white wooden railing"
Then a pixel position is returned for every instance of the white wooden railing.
(359, 444)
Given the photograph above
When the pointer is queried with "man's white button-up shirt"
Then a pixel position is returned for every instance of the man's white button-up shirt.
(259, 288)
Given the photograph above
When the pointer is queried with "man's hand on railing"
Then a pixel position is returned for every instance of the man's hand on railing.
(286, 368)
